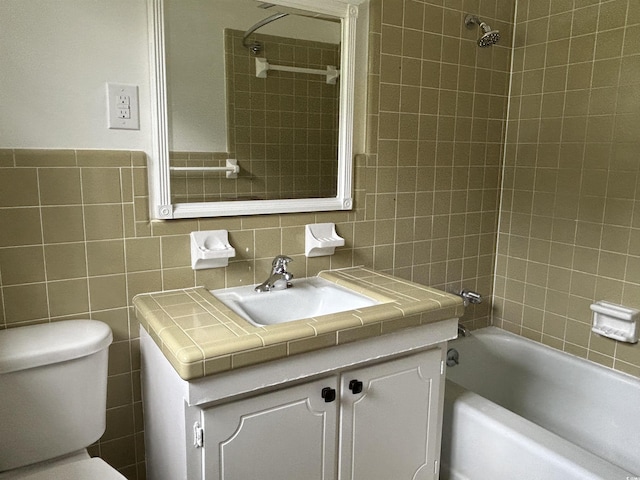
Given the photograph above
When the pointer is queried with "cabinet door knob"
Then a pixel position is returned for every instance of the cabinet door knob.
(355, 386)
(329, 394)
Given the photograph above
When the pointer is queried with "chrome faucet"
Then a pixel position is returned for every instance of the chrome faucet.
(470, 297)
(280, 278)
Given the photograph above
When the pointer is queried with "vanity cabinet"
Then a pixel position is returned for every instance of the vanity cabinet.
(391, 429)
(376, 422)
(365, 411)
(284, 434)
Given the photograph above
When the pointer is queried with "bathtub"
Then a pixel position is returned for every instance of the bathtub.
(516, 409)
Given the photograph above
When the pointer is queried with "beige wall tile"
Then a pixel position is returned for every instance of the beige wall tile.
(68, 297)
(268, 243)
(120, 452)
(18, 187)
(25, 302)
(105, 257)
(20, 227)
(142, 254)
(103, 222)
(173, 278)
(62, 224)
(45, 158)
(176, 251)
(65, 261)
(22, 265)
(107, 292)
(119, 422)
(6, 158)
(119, 358)
(101, 185)
(118, 320)
(106, 158)
(59, 186)
(141, 282)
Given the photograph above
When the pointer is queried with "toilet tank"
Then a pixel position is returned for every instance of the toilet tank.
(53, 389)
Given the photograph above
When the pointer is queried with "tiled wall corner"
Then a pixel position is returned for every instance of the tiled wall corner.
(570, 227)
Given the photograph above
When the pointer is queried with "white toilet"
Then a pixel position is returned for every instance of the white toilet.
(53, 391)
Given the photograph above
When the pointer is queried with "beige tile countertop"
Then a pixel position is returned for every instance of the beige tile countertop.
(201, 336)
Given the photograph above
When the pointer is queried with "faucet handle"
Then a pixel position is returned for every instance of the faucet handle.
(280, 262)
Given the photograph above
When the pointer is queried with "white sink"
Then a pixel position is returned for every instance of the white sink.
(308, 297)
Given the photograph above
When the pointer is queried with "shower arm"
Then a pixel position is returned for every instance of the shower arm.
(471, 20)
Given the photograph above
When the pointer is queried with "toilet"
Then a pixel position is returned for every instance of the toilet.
(53, 393)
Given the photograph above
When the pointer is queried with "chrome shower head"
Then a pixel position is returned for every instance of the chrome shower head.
(489, 37)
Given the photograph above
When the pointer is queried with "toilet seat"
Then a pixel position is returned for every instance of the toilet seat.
(90, 469)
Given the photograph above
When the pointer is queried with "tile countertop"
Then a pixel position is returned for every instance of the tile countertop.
(201, 336)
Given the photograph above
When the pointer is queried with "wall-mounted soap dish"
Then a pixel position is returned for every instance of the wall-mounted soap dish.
(321, 239)
(210, 249)
(615, 321)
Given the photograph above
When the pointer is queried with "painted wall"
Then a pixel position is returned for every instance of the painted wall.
(57, 57)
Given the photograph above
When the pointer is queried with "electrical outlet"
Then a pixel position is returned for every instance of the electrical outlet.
(122, 107)
(123, 100)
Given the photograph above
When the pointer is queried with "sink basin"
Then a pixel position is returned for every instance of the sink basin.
(308, 297)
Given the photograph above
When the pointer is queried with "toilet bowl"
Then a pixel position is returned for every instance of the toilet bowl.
(53, 390)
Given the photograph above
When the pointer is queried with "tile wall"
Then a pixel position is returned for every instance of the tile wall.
(437, 105)
(570, 224)
(75, 243)
(76, 240)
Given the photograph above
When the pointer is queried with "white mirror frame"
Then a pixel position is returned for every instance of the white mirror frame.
(160, 188)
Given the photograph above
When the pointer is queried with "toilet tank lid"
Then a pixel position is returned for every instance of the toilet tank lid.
(48, 343)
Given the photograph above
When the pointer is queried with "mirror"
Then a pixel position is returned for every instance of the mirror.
(254, 106)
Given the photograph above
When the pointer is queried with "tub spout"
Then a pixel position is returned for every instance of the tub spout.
(463, 331)
(470, 297)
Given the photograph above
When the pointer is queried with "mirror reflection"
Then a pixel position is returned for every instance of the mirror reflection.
(258, 84)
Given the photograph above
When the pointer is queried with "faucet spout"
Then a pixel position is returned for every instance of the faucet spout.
(463, 331)
(470, 297)
(280, 278)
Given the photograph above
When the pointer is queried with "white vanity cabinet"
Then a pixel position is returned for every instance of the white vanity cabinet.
(391, 429)
(285, 434)
(380, 423)
(367, 410)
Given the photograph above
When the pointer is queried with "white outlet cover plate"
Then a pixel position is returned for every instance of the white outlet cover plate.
(114, 105)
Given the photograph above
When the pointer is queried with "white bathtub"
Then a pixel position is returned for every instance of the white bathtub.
(518, 409)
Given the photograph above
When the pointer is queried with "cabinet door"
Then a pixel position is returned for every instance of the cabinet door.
(286, 434)
(391, 429)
